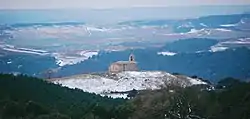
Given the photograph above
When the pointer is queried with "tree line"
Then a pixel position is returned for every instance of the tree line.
(23, 97)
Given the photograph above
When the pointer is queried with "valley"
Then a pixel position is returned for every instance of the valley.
(69, 48)
(133, 61)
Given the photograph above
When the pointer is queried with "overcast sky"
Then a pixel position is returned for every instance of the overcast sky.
(97, 4)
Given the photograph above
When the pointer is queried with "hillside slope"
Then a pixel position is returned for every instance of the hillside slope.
(230, 100)
(125, 81)
(32, 98)
(23, 97)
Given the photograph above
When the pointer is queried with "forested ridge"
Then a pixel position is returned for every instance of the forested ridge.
(229, 99)
(28, 97)
(23, 97)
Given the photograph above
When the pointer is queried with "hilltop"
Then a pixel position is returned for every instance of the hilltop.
(118, 85)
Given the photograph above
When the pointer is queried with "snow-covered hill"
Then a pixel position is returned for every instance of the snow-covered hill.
(125, 81)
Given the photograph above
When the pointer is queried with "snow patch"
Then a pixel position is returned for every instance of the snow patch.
(24, 51)
(242, 21)
(64, 59)
(218, 48)
(167, 53)
(240, 41)
(224, 30)
(200, 32)
(12, 48)
(186, 25)
(202, 24)
(193, 31)
(195, 81)
(228, 25)
(200, 51)
(124, 96)
(88, 53)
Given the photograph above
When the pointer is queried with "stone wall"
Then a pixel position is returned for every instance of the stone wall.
(117, 67)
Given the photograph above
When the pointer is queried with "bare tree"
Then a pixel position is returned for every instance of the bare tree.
(50, 72)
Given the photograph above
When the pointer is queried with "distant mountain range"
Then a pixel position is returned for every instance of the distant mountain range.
(191, 57)
(106, 16)
(233, 62)
(231, 22)
(212, 47)
(17, 25)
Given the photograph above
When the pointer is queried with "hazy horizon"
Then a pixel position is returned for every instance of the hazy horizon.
(122, 8)
(111, 15)
(95, 4)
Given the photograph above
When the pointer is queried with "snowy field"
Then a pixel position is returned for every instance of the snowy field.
(125, 81)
